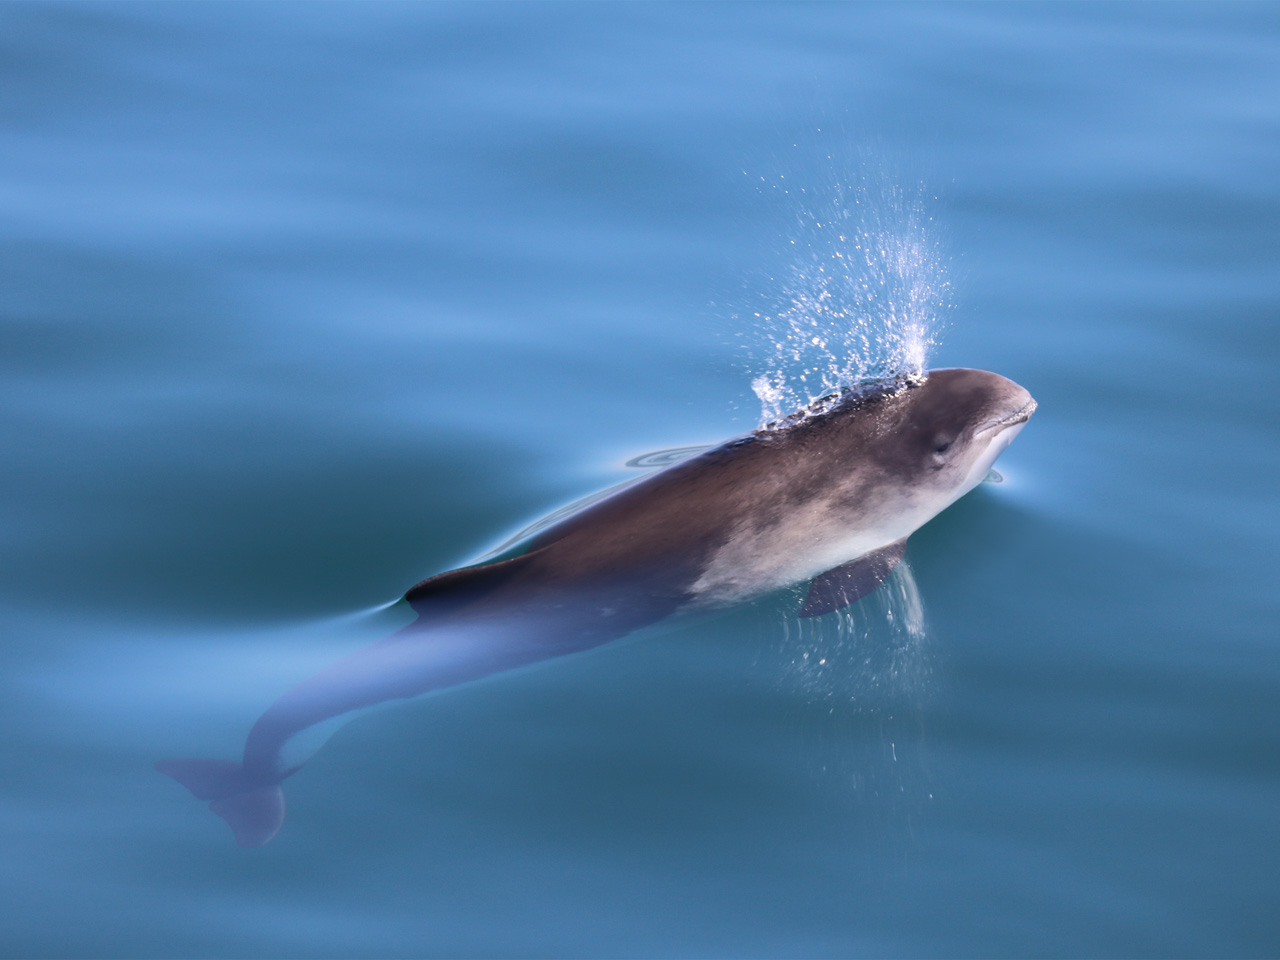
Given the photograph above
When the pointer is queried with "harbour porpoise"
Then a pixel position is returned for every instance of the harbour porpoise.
(828, 495)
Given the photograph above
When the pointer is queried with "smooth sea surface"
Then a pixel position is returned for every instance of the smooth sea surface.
(300, 304)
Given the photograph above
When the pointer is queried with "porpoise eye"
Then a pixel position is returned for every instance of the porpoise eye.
(942, 446)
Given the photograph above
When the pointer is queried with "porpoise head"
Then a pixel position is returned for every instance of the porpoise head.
(913, 449)
(952, 426)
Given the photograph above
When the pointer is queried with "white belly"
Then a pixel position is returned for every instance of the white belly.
(811, 541)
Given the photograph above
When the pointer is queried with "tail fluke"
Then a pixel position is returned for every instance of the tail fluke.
(254, 811)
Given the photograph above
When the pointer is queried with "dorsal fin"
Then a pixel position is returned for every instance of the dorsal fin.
(448, 591)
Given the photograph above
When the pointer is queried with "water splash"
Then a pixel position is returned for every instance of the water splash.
(862, 298)
(872, 654)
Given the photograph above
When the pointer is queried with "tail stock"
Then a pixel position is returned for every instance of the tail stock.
(254, 811)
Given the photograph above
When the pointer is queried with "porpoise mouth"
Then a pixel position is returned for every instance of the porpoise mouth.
(1021, 415)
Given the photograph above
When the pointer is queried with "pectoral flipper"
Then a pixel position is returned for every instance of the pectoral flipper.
(850, 582)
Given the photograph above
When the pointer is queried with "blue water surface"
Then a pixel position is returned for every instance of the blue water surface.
(302, 303)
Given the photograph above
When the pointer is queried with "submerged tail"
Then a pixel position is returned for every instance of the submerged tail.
(254, 811)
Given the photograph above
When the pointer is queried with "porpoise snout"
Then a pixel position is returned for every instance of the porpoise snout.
(1013, 405)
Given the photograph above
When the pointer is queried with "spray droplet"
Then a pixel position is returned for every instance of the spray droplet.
(862, 300)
